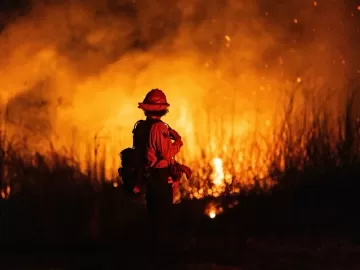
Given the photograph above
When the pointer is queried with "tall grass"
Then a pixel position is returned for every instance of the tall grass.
(310, 138)
(48, 197)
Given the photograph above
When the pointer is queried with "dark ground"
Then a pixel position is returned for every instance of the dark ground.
(275, 231)
(257, 253)
(310, 220)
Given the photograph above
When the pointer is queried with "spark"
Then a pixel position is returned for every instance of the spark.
(315, 3)
(212, 214)
(298, 80)
(227, 38)
(295, 20)
(358, 8)
(115, 184)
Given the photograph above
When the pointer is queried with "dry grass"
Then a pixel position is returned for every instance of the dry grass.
(53, 201)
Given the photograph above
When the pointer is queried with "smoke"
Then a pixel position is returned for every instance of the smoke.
(80, 67)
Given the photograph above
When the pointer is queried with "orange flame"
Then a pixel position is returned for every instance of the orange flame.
(213, 209)
(76, 78)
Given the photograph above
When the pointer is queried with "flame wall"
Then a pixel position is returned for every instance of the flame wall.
(76, 70)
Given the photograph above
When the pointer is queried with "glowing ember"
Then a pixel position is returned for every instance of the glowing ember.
(5, 192)
(115, 184)
(315, 3)
(295, 20)
(213, 209)
(212, 214)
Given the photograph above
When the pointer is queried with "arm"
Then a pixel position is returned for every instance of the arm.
(160, 140)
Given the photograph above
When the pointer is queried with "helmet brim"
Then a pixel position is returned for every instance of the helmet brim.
(153, 107)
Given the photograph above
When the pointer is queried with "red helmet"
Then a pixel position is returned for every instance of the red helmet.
(155, 100)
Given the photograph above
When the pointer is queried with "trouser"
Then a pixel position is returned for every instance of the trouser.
(159, 198)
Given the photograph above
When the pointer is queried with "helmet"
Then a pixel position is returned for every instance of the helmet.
(155, 100)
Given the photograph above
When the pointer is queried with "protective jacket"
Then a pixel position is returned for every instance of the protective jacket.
(153, 144)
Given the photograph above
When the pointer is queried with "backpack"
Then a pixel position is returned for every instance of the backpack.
(133, 170)
(134, 159)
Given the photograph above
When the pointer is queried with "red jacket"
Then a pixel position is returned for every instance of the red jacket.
(160, 149)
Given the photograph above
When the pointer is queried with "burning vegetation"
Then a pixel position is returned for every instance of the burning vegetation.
(254, 91)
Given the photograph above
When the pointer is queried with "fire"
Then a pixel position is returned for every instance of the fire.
(75, 80)
(5, 192)
(218, 174)
(213, 209)
(212, 214)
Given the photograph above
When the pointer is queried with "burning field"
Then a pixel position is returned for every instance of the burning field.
(264, 95)
(248, 82)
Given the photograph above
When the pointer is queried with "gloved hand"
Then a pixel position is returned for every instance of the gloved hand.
(186, 170)
(174, 134)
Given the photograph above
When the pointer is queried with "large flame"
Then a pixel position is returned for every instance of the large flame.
(218, 175)
(72, 73)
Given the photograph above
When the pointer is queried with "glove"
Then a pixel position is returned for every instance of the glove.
(186, 170)
(174, 134)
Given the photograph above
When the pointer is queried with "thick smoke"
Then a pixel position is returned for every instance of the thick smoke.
(74, 69)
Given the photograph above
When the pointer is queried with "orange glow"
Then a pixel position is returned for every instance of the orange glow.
(213, 209)
(5, 192)
(72, 76)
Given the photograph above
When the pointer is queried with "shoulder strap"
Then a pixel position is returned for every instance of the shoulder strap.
(133, 131)
(136, 124)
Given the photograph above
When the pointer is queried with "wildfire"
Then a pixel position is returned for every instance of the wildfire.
(76, 78)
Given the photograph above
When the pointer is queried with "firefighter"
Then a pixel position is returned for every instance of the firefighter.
(157, 144)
